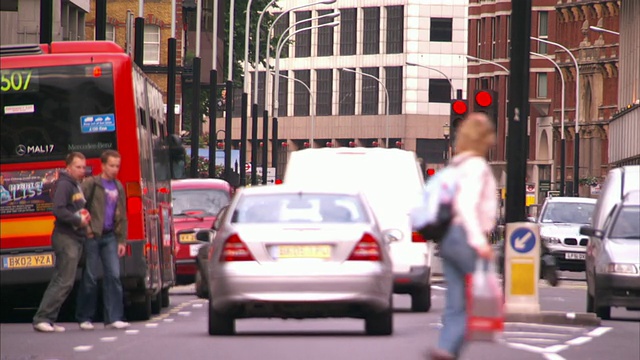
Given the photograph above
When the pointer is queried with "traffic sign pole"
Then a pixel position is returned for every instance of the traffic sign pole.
(522, 268)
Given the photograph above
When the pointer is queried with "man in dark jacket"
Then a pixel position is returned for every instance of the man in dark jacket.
(105, 244)
(71, 221)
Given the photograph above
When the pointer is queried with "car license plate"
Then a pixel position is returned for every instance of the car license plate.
(187, 238)
(574, 256)
(304, 251)
(27, 261)
(193, 249)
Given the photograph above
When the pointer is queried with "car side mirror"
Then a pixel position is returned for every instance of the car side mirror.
(589, 231)
(392, 235)
(204, 235)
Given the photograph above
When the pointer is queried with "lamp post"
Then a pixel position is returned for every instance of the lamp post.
(265, 114)
(254, 96)
(487, 62)
(600, 29)
(244, 100)
(228, 121)
(213, 90)
(576, 155)
(313, 100)
(276, 83)
(386, 102)
(453, 90)
(563, 147)
(446, 132)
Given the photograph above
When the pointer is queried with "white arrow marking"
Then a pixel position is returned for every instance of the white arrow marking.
(521, 242)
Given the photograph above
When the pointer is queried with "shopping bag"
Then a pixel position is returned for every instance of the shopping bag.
(485, 316)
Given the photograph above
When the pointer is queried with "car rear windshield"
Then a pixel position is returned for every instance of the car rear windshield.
(203, 201)
(47, 112)
(627, 224)
(300, 208)
(568, 212)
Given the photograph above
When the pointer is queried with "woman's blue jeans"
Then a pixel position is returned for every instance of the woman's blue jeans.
(458, 259)
(99, 250)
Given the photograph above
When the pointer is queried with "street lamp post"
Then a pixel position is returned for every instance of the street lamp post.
(245, 98)
(453, 90)
(487, 62)
(228, 121)
(386, 100)
(562, 140)
(265, 114)
(313, 101)
(276, 83)
(600, 29)
(576, 155)
(213, 90)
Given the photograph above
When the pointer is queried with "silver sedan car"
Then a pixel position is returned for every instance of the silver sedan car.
(279, 252)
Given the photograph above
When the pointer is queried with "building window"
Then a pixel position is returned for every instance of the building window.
(542, 86)
(441, 29)
(325, 35)
(370, 91)
(493, 37)
(110, 33)
(300, 93)
(303, 38)
(439, 91)
(283, 97)
(498, 38)
(151, 44)
(278, 31)
(478, 39)
(543, 30)
(371, 36)
(347, 100)
(395, 29)
(393, 82)
(324, 91)
(348, 31)
(508, 52)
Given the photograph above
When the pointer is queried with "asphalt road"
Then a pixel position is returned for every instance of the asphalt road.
(180, 333)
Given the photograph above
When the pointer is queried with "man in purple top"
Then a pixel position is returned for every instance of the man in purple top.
(106, 241)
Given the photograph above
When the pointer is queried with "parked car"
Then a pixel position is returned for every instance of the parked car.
(613, 259)
(392, 181)
(195, 205)
(285, 252)
(560, 220)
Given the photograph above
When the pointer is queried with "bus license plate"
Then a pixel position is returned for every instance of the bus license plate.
(27, 261)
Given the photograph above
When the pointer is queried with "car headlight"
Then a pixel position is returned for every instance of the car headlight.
(550, 240)
(622, 268)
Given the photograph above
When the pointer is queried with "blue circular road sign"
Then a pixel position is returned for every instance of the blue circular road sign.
(522, 240)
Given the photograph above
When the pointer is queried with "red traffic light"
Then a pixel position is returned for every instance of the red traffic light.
(459, 107)
(484, 98)
(431, 172)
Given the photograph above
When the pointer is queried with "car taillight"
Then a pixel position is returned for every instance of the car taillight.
(416, 237)
(367, 249)
(235, 250)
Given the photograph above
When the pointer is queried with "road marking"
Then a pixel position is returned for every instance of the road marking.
(532, 340)
(553, 356)
(544, 326)
(184, 313)
(82, 348)
(579, 340)
(436, 287)
(108, 339)
(168, 320)
(599, 331)
(526, 347)
(151, 325)
(132, 332)
(197, 305)
(533, 333)
(556, 348)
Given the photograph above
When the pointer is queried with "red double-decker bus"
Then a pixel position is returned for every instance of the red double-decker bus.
(83, 96)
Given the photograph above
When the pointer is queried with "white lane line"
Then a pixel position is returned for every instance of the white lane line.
(526, 347)
(108, 339)
(168, 320)
(556, 348)
(531, 340)
(184, 313)
(579, 340)
(599, 331)
(82, 348)
(515, 333)
(132, 332)
(151, 325)
(197, 305)
(521, 324)
(553, 357)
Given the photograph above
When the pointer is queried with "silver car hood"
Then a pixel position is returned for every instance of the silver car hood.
(560, 230)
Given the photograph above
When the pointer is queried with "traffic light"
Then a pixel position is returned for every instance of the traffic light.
(459, 109)
(430, 173)
(486, 101)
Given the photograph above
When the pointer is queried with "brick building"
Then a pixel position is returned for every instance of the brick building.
(157, 30)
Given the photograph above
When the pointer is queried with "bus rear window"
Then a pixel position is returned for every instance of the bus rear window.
(48, 112)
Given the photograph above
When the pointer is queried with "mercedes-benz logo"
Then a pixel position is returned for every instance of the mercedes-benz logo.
(21, 150)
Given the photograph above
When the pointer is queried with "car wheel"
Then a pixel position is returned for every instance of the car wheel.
(140, 310)
(421, 299)
(201, 287)
(379, 323)
(220, 324)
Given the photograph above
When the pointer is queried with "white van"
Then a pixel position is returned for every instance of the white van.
(392, 181)
(620, 181)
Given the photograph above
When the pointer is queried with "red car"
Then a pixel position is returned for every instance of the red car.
(196, 202)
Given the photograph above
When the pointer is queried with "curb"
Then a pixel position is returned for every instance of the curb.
(555, 318)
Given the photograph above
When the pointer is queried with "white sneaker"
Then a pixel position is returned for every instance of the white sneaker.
(118, 325)
(46, 327)
(86, 325)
